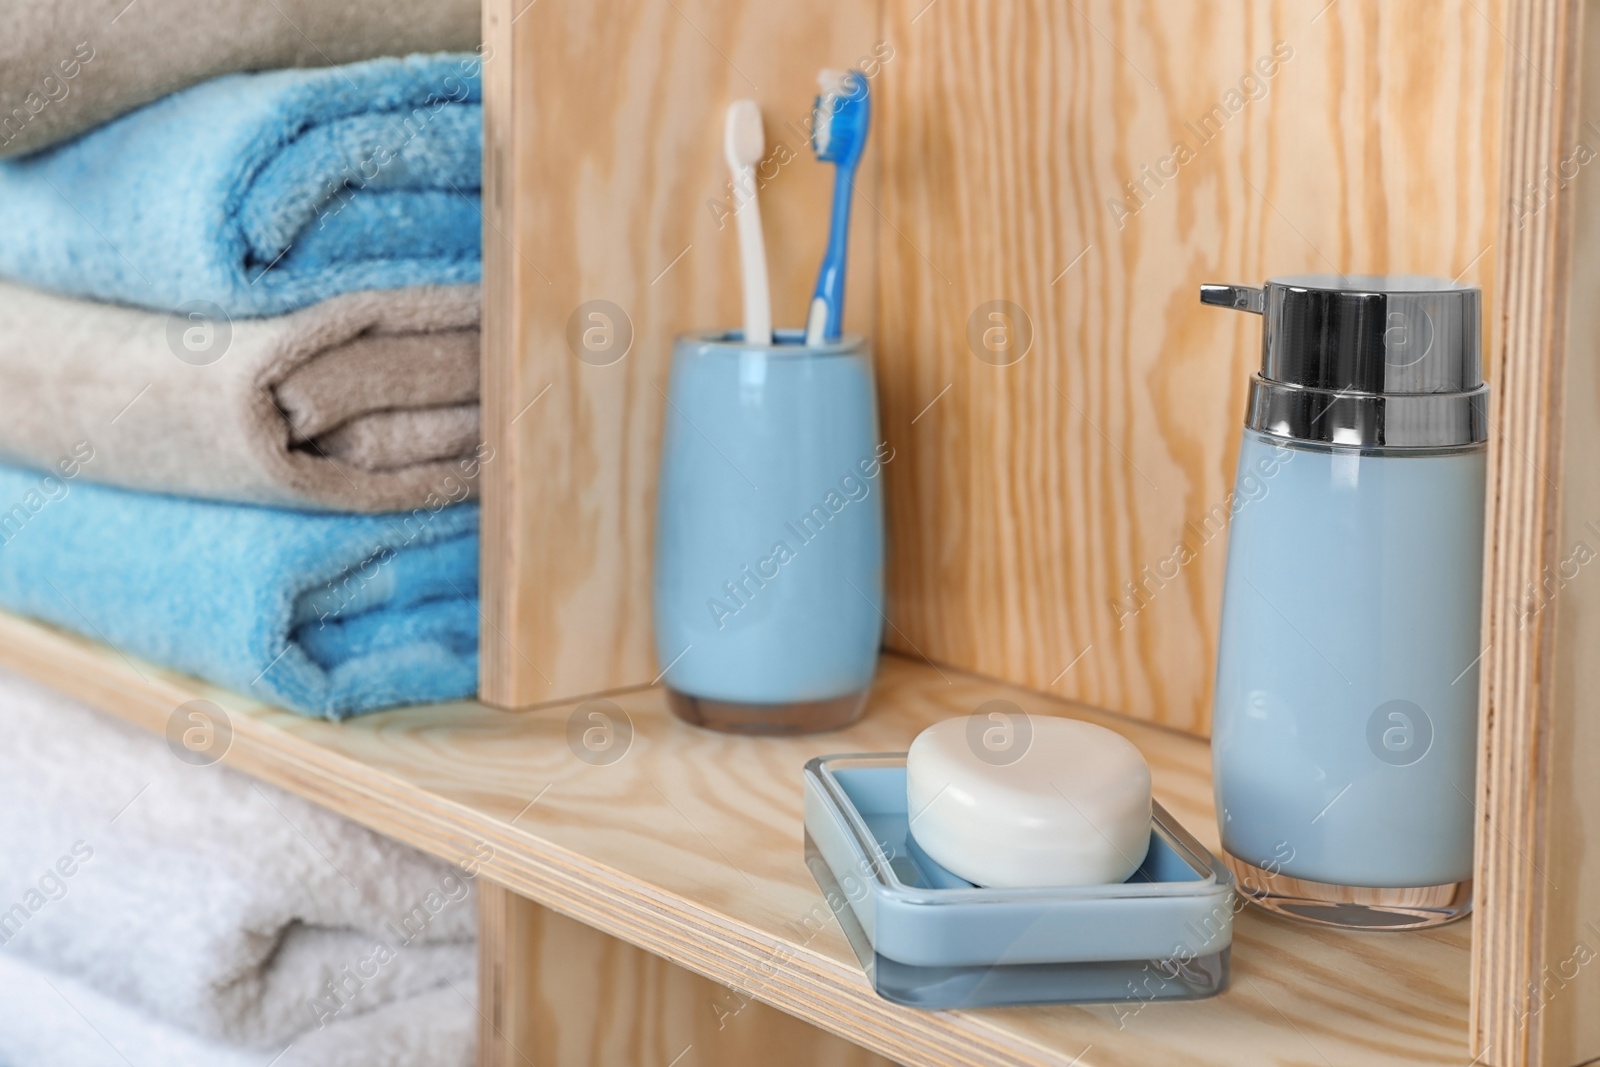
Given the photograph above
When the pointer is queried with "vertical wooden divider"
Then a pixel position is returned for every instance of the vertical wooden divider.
(608, 229)
(1536, 943)
(564, 993)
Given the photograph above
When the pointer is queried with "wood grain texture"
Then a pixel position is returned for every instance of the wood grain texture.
(554, 991)
(1037, 508)
(1534, 977)
(689, 847)
(1567, 982)
(604, 123)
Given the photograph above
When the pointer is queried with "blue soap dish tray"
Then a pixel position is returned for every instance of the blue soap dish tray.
(930, 939)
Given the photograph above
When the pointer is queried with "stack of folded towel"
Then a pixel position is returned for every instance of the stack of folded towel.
(152, 911)
(239, 382)
(239, 437)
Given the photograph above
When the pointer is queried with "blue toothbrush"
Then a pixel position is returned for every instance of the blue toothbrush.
(838, 135)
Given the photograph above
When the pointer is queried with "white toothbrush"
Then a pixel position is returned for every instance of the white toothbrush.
(744, 143)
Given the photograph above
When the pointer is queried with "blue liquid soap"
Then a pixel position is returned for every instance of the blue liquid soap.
(769, 536)
(1345, 728)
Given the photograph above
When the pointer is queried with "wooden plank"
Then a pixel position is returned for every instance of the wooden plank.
(1533, 976)
(689, 846)
(1566, 983)
(1026, 497)
(552, 990)
(605, 181)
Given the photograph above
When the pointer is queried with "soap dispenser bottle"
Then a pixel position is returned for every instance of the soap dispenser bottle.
(1344, 737)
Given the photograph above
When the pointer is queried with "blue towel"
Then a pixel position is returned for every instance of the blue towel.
(329, 615)
(260, 193)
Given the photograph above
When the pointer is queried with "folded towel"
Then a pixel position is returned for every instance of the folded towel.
(366, 402)
(260, 193)
(328, 615)
(224, 906)
(65, 68)
(50, 1020)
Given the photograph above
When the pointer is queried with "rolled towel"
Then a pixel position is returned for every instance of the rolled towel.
(328, 615)
(255, 194)
(65, 68)
(365, 402)
(224, 906)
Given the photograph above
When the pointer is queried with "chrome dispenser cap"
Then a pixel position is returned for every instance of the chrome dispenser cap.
(1380, 362)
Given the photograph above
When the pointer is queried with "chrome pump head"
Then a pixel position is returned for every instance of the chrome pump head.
(1372, 362)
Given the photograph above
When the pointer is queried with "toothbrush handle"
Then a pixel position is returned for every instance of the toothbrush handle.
(753, 258)
(830, 282)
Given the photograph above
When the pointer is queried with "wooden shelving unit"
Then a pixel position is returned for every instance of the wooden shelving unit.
(689, 848)
(655, 909)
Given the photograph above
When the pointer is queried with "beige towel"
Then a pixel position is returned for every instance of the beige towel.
(68, 66)
(366, 402)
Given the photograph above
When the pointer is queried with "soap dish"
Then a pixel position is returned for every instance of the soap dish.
(930, 939)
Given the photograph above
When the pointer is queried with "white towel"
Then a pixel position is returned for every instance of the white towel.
(226, 907)
(50, 1020)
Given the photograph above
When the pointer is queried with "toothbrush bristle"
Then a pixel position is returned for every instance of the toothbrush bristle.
(839, 121)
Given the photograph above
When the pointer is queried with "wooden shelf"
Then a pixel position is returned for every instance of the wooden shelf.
(689, 847)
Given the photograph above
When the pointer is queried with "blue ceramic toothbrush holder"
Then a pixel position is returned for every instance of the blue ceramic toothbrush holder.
(769, 533)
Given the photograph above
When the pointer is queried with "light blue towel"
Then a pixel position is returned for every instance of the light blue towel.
(329, 615)
(260, 193)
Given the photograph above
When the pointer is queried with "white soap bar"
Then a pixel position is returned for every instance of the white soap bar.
(1011, 801)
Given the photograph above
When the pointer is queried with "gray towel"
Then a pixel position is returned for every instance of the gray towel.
(66, 67)
(366, 402)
